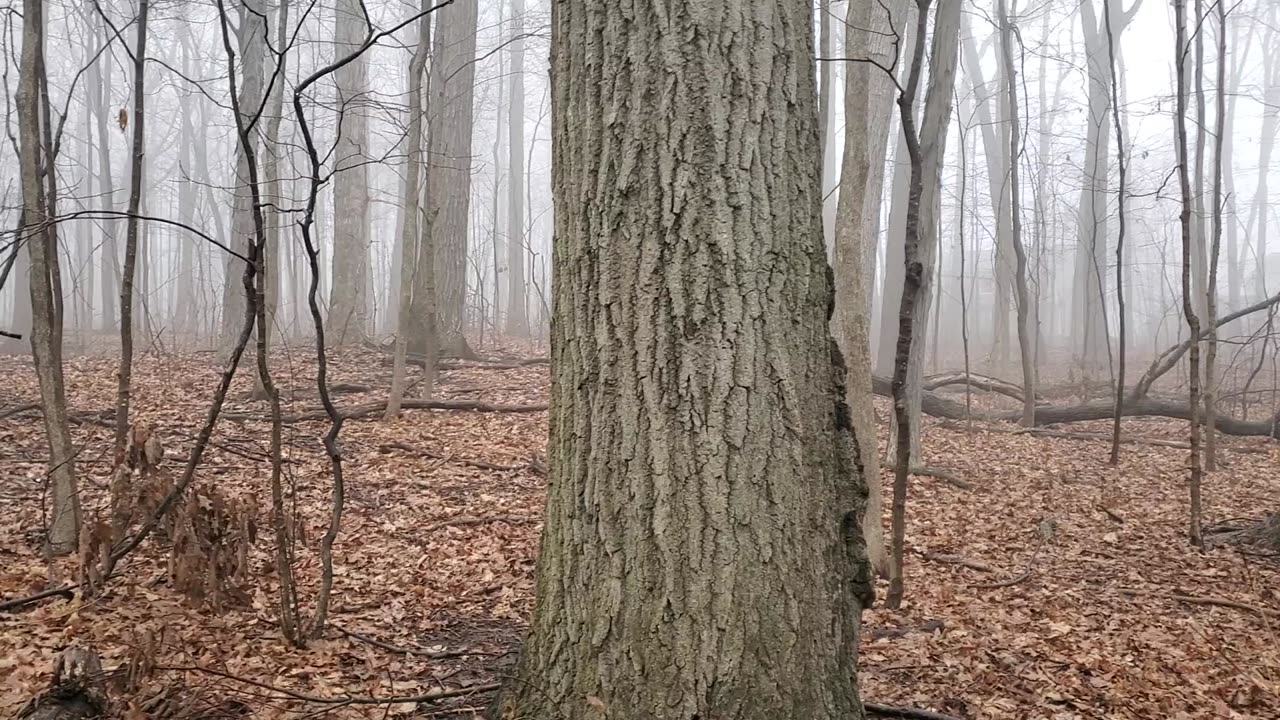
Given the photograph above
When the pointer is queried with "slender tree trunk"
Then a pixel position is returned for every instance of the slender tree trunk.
(125, 374)
(868, 103)
(716, 497)
(1188, 306)
(1121, 163)
(415, 240)
(926, 148)
(99, 87)
(251, 38)
(1211, 300)
(42, 249)
(1023, 297)
(517, 316)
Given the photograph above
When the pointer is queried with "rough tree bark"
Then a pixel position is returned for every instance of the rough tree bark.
(42, 249)
(450, 124)
(703, 472)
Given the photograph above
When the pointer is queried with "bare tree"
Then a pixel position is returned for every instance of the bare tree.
(41, 239)
(125, 374)
(926, 148)
(1023, 298)
(1121, 163)
(868, 104)
(1188, 307)
(413, 239)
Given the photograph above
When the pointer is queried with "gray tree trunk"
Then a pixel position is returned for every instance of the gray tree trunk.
(348, 319)
(703, 472)
(42, 249)
(449, 181)
(517, 315)
(251, 37)
(868, 105)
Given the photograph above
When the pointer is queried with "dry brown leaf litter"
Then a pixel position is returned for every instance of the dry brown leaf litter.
(437, 556)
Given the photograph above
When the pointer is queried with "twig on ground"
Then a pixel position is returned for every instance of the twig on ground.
(377, 408)
(958, 560)
(400, 649)
(1201, 600)
(1026, 573)
(938, 473)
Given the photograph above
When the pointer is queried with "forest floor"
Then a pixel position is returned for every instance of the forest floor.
(1055, 587)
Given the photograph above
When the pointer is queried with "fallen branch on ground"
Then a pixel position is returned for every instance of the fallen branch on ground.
(958, 560)
(933, 404)
(984, 383)
(935, 472)
(1201, 600)
(16, 410)
(1026, 573)
(339, 700)
(377, 408)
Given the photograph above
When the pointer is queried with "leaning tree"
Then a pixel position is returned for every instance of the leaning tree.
(702, 555)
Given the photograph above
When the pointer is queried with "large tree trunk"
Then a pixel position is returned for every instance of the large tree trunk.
(703, 473)
(868, 103)
(42, 249)
(449, 181)
(348, 319)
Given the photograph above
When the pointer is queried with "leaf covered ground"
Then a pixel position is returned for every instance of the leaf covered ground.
(1057, 587)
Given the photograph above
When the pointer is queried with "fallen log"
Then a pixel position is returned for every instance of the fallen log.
(933, 404)
(984, 383)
